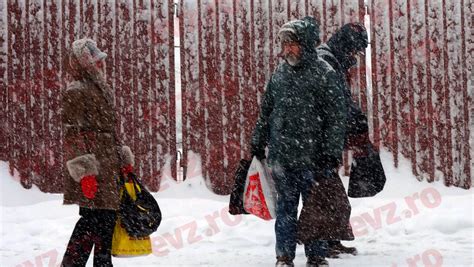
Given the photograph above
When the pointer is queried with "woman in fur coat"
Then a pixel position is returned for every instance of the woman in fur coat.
(92, 155)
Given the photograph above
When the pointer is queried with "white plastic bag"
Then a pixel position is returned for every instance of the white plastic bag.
(259, 192)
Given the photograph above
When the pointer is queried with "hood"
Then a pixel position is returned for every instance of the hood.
(81, 59)
(87, 53)
(80, 63)
(350, 38)
(305, 32)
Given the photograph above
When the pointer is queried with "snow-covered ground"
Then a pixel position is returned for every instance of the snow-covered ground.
(410, 223)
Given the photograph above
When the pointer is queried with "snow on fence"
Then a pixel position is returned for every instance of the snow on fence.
(228, 51)
(419, 104)
(422, 85)
(136, 35)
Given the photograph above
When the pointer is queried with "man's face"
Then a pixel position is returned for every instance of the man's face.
(291, 52)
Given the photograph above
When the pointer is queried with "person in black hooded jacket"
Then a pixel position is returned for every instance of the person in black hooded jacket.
(302, 121)
(340, 52)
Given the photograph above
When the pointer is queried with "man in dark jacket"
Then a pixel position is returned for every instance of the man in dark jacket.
(340, 53)
(302, 121)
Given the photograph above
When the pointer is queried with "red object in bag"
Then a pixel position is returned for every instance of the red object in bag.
(126, 170)
(255, 200)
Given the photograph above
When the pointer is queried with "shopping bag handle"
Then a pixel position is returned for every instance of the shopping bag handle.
(137, 185)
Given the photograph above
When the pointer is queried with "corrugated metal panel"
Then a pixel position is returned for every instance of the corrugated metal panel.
(409, 96)
(135, 35)
(421, 92)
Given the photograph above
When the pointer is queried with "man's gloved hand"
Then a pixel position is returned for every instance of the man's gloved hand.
(258, 153)
(89, 186)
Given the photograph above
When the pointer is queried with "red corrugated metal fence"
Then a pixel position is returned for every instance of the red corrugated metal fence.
(35, 34)
(419, 103)
(422, 61)
(228, 51)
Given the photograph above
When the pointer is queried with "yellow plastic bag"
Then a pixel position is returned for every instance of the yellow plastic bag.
(125, 246)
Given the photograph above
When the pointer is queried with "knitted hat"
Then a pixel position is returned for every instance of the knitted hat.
(287, 32)
(304, 31)
(86, 52)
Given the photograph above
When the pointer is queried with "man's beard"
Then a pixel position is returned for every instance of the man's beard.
(291, 59)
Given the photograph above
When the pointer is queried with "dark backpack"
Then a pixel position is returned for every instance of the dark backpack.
(236, 204)
(140, 217)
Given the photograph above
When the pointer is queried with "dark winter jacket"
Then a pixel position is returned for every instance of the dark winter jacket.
(303, 112)
(328, 55)
(367, 176)
(89, 141)
(356, 120)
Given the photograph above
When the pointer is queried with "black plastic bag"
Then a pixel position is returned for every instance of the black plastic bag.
(236, 204)
(367, 176)
(140, 217)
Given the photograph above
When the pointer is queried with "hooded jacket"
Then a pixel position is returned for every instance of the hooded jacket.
(337, 52)
(303, 112)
